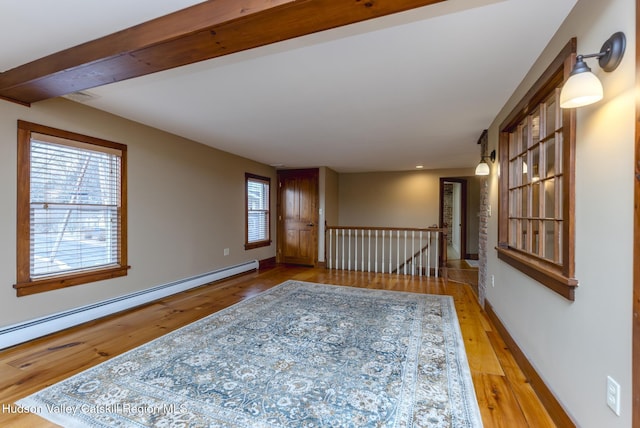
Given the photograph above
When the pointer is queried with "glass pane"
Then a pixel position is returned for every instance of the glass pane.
(551, 116)
(257, 192)
(535, 127)
(525, 202)
(514, 145)
(550, 158)
(513, 233)
(525, 135)
(258, 226)
(550, 198)
(558, 149)
(559, 112)
(558, 234)
(525, 169)
(535, 200)
(535, 235)
(534, 164)
(559, 195)
(513, 174)
(513, 202)
(549, 240)
(523, 242)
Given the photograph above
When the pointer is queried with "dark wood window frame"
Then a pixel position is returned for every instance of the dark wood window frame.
(266, 242)
(559, 277)
(25, 284)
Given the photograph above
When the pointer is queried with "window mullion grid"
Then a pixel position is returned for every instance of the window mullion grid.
(543, 141)
(527, 189)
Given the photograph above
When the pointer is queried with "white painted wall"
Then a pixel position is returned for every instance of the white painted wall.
(575, 345)
(392, 199)
(186, 204)
(328, 189)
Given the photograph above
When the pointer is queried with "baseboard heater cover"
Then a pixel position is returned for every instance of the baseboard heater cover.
(28, 330)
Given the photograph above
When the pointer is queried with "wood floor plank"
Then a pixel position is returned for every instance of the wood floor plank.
(498, 404)
(536, 415)
(504, 396)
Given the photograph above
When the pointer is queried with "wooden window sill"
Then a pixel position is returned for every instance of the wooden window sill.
(57, 282)
(547, 275)
(259, 244)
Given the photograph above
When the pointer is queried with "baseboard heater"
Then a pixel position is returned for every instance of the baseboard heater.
(28, 330)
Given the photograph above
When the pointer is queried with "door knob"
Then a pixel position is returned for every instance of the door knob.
(309, 224)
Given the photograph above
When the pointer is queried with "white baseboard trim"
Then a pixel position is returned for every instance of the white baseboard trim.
(28, 330)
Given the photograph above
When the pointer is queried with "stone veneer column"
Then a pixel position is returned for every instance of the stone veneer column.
(483, 239)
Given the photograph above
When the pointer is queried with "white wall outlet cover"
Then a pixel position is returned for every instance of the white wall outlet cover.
(613, 395)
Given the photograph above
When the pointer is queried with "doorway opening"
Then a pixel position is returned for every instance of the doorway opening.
(459, 211)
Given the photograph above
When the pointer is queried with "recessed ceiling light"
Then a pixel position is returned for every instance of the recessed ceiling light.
(419, 166)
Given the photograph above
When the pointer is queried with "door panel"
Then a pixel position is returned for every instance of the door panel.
(298, 216)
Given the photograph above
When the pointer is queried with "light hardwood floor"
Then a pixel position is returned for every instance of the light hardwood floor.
(504, 395)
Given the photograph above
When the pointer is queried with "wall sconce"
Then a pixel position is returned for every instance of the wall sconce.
(583, 87)
(483, 166)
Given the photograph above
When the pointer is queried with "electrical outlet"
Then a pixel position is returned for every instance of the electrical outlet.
(613, 395)
(226, 251)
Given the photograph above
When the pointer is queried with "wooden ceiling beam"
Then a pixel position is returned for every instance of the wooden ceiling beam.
(206, 30)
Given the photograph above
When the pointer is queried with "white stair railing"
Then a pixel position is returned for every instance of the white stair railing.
(407, 251)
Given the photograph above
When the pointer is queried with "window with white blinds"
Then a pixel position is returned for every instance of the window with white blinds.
(257, 213)
(75, 207)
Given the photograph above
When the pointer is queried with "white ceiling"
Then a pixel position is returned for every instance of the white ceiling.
(383, 95)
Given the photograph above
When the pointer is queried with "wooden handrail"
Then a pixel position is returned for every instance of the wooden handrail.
(409, 229)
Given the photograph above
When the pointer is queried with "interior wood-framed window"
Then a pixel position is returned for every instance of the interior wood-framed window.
(258, 213)
(536, 184)
(71, 209)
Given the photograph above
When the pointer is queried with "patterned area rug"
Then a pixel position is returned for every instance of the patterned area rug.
(298, 355)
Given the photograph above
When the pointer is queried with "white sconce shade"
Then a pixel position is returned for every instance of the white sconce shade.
(583, 87)
(580, 90)
(483, 168)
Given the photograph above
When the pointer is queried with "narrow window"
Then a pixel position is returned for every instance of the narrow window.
(71, 209)
(537, 155)
(258, 233)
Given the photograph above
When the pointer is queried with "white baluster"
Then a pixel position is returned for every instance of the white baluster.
(349, 254)
(369, 245)
(342, 249)
(413, 252)
(337, 244)
(429, 254)
(404, 259)
(383, 251)
(398, 252)
(437, 259)
(421, 253)
(362, 250)
(330, 248)
(350, 250)
(376, 251)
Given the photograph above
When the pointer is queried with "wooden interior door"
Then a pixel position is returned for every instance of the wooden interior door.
(298, 216)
